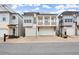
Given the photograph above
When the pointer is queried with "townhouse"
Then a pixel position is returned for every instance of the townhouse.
(36, 23)
(10, 22)
(69, 22)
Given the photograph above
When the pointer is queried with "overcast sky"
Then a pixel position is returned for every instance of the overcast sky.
(53, 8)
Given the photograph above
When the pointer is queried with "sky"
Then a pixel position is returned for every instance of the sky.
(45, 8)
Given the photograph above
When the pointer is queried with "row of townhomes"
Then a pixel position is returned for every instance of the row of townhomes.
(49, 24)
(37, 23)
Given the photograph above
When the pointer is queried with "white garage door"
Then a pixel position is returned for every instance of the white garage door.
(46, 31)
(30, 31)
(70, 31)
(2, 31)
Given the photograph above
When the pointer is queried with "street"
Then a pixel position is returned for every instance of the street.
(47, 48)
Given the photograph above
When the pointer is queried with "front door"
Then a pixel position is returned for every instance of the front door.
(14, 31)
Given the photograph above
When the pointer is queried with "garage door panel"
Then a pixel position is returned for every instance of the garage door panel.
(46, 31)
(30, 31)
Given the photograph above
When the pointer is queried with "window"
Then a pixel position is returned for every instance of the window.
(4, 19)
(46, 17)
(52, 18)
(46, 21)
(28, 26)
(27, 21)
(14, 31)
(68, 20)
(24, 21)
(13, 17)
(40, 18)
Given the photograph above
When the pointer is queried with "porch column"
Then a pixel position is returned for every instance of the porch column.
(43, 20)
(50, 20)
(36, 26)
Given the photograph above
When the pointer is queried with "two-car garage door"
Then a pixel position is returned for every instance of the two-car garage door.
(2, 31)
(46, 31)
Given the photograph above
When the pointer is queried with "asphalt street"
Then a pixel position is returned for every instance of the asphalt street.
(51, 48)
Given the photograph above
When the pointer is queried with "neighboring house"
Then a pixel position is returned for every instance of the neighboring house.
(10, 22)
(69, 22)
(39, 24)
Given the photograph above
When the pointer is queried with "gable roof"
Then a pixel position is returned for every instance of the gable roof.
(30, 13)
(70, 12)
(5, 8)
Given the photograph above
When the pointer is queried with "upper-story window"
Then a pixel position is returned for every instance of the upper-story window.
(40, 19)
(47, 20)
(27, 21)
(68, 20)
(69, 17)
(4, 19)
(46, 17)
(13, 17)
(53, 19)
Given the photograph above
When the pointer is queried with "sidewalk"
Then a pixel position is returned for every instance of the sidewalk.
(41, 39)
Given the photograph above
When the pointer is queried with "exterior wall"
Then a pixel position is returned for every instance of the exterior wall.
(67, 17)
(13, 21)
(28, 17)
(3, 24)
